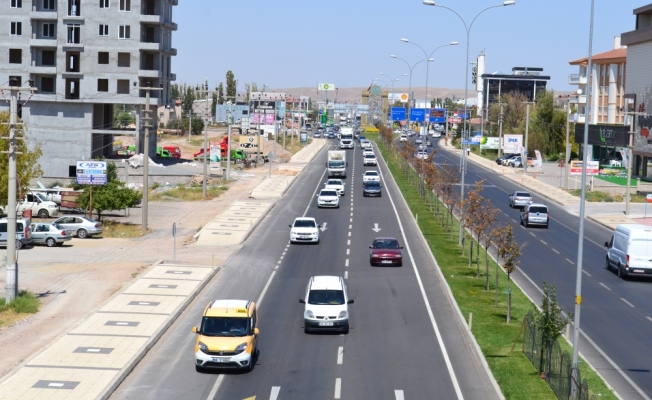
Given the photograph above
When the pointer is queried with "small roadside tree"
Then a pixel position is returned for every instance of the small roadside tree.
(489, 216)
(550, 320)
(27, 166)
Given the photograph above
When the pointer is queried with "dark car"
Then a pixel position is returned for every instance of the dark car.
(500, 159)
(371, 188)
(385, 251)
(331, 135)
(361, 137)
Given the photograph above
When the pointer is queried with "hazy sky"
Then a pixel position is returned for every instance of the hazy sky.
(292, 43)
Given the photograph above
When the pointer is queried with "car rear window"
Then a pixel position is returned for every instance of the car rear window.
(522, 194)
(539, 209)
(371, 173)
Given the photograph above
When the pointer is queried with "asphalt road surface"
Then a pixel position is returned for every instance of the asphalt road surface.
(405, 342)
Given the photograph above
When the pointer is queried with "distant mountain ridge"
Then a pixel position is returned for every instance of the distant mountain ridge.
(353, 94)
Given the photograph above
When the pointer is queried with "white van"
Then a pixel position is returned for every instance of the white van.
(326, 304)
(630, 250)
(23, 233)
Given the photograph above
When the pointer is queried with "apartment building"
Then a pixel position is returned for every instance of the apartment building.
(85, 57)
(608, 86)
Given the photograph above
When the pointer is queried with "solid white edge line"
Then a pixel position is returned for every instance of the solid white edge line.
(338, 388)
(340, 355)
(431, 315)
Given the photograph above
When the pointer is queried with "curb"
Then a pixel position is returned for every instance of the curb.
(258, 221)
(131, 364)
(469, 335)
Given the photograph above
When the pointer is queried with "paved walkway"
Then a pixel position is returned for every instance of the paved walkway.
(100, 351)
(547, 184)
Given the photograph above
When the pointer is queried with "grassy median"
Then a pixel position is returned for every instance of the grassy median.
(21, 307)
(515, 374)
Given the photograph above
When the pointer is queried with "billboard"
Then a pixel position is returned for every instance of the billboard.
(326, 86)
(91, 173)
(263, 111)
(512, 143)
(604, 135)
(592, 167)
(438, 115)
(490, 143)
(418, 114)
(402, 97)
(398, 113)
(461, 113)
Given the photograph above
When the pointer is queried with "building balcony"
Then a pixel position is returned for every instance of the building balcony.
(45, 42)
(149, 73)
(175, 2)
(577, 79)
(577, 99)
(150, 19)
(170, 25)
(72, 47)
(43, 70)
(151, 46)
(43, 15)
(578, 118)
(173, 77)
(172, 51)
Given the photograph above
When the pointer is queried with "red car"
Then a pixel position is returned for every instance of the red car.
(386, 251)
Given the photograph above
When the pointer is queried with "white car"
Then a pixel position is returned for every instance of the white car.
(403, 138)
(368, 150)
(431, 132)
(370, 159)
(436, 134)
(304, 229)
(422, 147)
(422, 155)
(328, 198)
(370, 176)
(326, 304)
(364, 143)
(418, 140)
(336, 185)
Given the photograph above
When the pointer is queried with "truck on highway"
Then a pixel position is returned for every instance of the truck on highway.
(346, 138)
(336, 164)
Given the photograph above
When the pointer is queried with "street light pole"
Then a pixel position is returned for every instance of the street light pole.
(466, 91)
(410, 86)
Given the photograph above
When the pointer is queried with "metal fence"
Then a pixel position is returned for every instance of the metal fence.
(556, 365)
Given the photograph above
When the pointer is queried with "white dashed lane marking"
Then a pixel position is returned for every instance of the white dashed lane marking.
(543, 242)
(274, 394)
(627, 302)
(348, 251)
(346, 274)
(604, 286)
(399, 395)
(346, 263)
(555, 250)
(586, 273)
(570, 261)
(338, 388)
(340, 355)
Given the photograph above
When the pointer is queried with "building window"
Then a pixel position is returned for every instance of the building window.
(47, 84)
(48, 57)
(102, 85)
(15, 56)
(72, 61)
(74, 33)
(48, 4)
(125, 32)
(124, 59)
(16, 3)
(104, 3)
(103, 57)
(123, 86)
(125, 5)
(16, 28)
(74, 8)
(48, 30)
(104, 30)
(72, 88)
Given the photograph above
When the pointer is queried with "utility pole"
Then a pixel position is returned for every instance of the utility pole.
(206, 149)
(11, 272)
(500, 131)
(145, 203)
(630, 156)
(527, 130)
(567, 160)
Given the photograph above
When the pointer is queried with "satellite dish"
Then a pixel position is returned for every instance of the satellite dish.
(579, 91)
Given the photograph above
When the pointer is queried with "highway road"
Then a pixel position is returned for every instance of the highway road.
(616, 314)
(406, 340)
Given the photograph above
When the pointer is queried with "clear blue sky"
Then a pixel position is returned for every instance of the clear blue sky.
(292, 43)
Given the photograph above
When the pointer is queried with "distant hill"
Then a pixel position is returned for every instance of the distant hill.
(353, 94)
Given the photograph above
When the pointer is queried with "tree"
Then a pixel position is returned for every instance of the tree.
(115, 195)
(471, 219)
(220, 93)
(514, 112)
(550, 320)
(247, 92)
(27, 166)
(510, 251)
(489, 216)
(214, 104)
(188, 99)
(230, 85)
(174, 91)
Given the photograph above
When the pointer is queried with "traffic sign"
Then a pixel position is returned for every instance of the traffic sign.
(91, 173)
(648, 198)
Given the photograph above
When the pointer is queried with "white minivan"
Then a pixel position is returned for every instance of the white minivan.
(326, 304)
(630, 250)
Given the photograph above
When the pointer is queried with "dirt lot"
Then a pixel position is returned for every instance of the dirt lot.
(74, 279)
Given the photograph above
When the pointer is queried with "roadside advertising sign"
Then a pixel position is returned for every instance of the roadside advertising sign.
(91, 173)
(326, 86)
(512, 143)
(398, 113)
(592, 167)
(490, 143)
(214, 156)
(402, 97)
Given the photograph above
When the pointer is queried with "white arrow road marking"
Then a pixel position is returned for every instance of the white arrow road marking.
(323, 226)
(399, 394)
(375, 228)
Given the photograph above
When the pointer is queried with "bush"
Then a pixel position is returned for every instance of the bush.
(26, 303)
(554, 157)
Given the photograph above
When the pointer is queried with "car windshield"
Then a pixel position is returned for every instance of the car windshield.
(326, 297)
(224, 326)
(538, 209)
(386, 244)
(371, 173)
(372, 184)
(304, 223)
(328, 193)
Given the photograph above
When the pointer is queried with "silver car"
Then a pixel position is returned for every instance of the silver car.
(535, 214)
(519, 199)
(82, 227)
(50, 234)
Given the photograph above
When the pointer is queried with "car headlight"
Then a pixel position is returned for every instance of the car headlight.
(52, 206)
(242, 347)
(342, 314)
(374, 255)
(309, 314)
(399, 256)
(203, 347)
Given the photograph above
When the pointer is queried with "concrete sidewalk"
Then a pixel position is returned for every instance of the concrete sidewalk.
(547, 185)
(100, 351)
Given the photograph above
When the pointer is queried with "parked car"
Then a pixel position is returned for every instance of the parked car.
(500, 159)
(23, 233)
(519, 198)
(535, 214)
(50, 234)
(82, 227)
(514, 162)
(385, 251)
(506, 161)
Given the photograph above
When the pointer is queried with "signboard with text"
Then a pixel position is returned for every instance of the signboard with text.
(91, 173)
(326, 86)
(592, 167)
(438, 115)
(398, 113)
(604, 135)
(512, 143)
(418, 114)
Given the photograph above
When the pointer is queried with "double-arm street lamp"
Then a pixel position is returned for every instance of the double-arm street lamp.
(391, 83)
(466, 86)
(411, 68)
